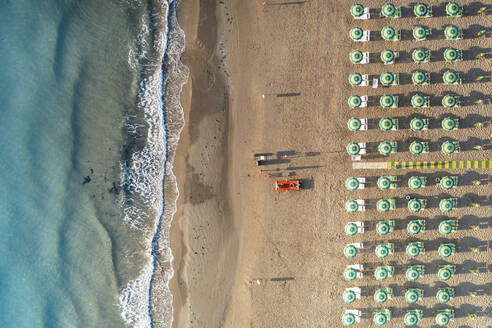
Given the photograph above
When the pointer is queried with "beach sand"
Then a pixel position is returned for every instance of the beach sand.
(232, 233)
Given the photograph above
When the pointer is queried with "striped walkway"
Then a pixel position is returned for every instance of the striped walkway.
(423, 165)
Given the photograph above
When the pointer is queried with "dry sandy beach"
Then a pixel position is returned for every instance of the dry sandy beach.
(232, 230)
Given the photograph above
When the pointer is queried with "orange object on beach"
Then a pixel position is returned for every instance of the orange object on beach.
(288, 185)
(264, 3)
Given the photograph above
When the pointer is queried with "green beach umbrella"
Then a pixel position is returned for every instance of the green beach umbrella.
(384, 183)
(415, 182)
(419, 55)
(451, 55)
(446, 250)
(357, 10)
(350, 274)
(355, 79)
(450, 77)
(411, 319)
(383, 228)
(387, 78)
(444, 295)
(387, 101)
(382, 251)
(351, 206)
(452, 32)
(385, 148)
(354, 124)
(356, 33)
(450, 101)
(352, 184)
(417, 147)
(389, 10)
(383, 205)
(353, 148)
(388, 33)
(381, 273)
(386, 124)
(419, 33)
(356, 56)
(421, 10)
(412, 296)
(419, 77)
(388, 56)
(446, 205)
(419, 101)
(413, 273)
(380, 318)
(449, 147)
(350, 251)
(449, 124)
(417, 124)
(413, 249)
(355, 101)
(414, 227)
(351, 229)
(453, 9)
(348, 319)
(415, 205)
(445, 273)
(380, 296)
(447, 183)
(349, 296)
(442, 319)
(447, 227)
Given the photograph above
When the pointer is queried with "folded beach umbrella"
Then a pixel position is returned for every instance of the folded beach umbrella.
(383, 272)
(420, 55)
(413, 295)
(414, 227)
(381, 295)
(349, 296)
(418, 124)
(383, 205)
(446, 250)
(384, 183)
(414, 272)
(348, 319)
(350, 251)
(356, 33)
(355, 79)
(416, 205)
(418, 147)
(357, 10)
(383, 250)
(452, 55)
(351, 206)
(350, 274)
(448, 226)
(450, 101)
(447, 182)
(414, 249)
(352, 184)
(388, 56)
(453, 9)
(382, 317)
(445, 272)
(356, 56)
(450, 77)
(384, 227)
(351, 229)
(385, 148)
(419, 101)
(452, 32)
(353, 148)
(420, 77)
(412, 317)
(388, 101)
(416, 182)
(388, 78)
(450, 147)
(444, 295)
(421, 10)
(443, 318)
(386, 124)
(420, 33)
(355, 101)
(389, 33)
(446, 205)
(389, 10)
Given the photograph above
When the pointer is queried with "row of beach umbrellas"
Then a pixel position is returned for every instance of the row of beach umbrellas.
(413, 249)
(417, 124)
(417, 147)
(418, 100)
(419, 56)
(420, 33)
(419, 77)
(412, 295)
(411, 318)
(414, 272)
(414, 182)
(414, 205)
(420, 10)
(414, 227)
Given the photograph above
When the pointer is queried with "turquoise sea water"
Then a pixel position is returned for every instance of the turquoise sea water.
(82, 94)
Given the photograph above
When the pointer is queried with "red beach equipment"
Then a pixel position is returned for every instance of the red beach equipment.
(288, 185)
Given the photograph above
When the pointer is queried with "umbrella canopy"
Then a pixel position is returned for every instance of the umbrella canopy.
(451, 55)
(415, 182)
(412, 296)
(380, 296)
(419, 77)
(411, 319)
(419, 55)
(447, 183)
(351, 229)
(385, 148)
(384, 183)
(446, 227)
(357, 10)
(446, 205)
(383, 228)
(383, 205)
(354, 124)
(349, 296)
(382, 251)
(355, 101)
(444, 295)
(452, 32)
(421, 10)
(389, 33)
(355, 79)
(350, 251)
(386, 124)
(356, 33)
(388, 56)
(413, 249)
(414, 227)
(387, 101)
(450, 101)
(443, 319)
(352, 184)
(450, 77)
(380, 318)
(351, 206)
(387, 78)
(415, 205)
(413, 274)
(419, 101)
(445, 273)
(449, 124)
(446, 250)
(389, 10)
(356, 56)
(353, 148)
(350, 274)
(348, 319)
(453, 9)
(449, 147)
(417, 147)
(381, 273)
(417, 124)
(419, 33)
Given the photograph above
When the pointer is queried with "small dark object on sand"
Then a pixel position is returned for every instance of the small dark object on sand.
(87, 179)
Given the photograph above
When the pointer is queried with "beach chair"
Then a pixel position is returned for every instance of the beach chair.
(363, 149)
(366, 36)
(353, 271)
(356, 290)
(353, 228)
(360, 12)
(365, 58)
(356, 313)
(363, 126)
